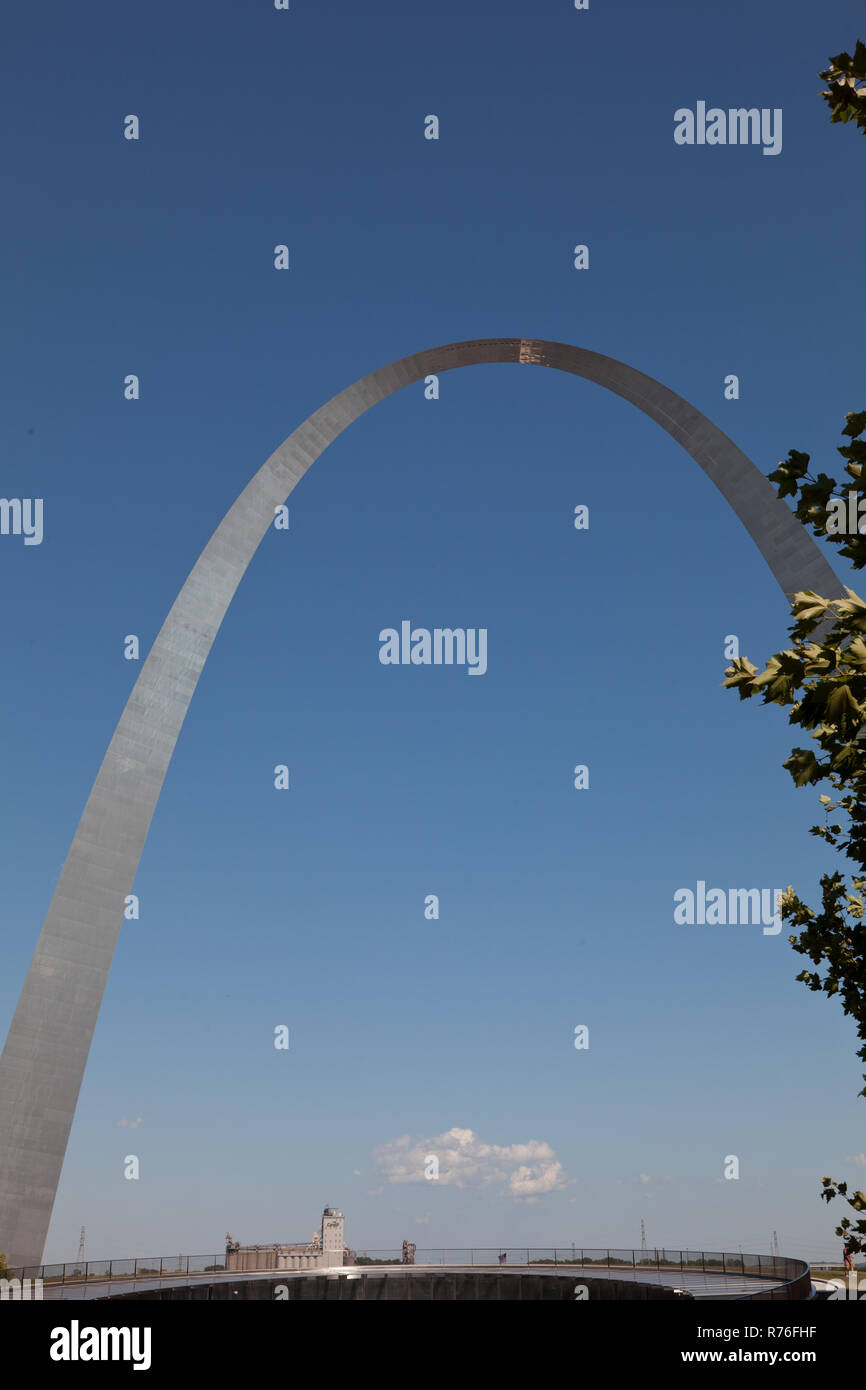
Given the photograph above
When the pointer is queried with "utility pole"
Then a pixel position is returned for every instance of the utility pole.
(81, 1249)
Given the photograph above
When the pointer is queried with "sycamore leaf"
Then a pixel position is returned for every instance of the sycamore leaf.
(853, 608)
(807, 604)
(842, 705)
(803, 766)
(739, 674)
(855, 653)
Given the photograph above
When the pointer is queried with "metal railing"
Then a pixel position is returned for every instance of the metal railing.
(777, 1268)
(770, 1267)
(145, 1267)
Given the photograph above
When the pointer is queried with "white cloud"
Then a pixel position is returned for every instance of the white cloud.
(859, 1159)
(131, 1124)
(531, 1180)
(522, 1170)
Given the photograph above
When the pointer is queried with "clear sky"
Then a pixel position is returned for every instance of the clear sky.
(605, 647)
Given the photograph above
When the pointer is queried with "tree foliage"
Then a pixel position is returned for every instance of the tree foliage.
(821, 680)
(847, 78)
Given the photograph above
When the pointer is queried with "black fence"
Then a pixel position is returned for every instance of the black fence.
(787, 1273)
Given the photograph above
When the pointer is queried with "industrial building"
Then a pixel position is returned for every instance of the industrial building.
(326, 1249)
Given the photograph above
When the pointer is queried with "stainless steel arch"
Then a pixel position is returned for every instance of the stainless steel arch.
(42, 1065)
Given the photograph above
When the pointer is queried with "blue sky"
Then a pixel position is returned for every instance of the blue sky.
(605, 647)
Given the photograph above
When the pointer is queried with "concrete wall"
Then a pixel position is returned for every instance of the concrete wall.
(402, 1285)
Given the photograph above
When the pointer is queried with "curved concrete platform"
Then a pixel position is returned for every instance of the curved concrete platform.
(42, 1064)
(460, 1282)
(607, 1274)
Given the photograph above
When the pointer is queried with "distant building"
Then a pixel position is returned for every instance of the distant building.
(324, 1251)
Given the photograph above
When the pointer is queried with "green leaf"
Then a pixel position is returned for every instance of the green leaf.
(803, 766)
(841, 705)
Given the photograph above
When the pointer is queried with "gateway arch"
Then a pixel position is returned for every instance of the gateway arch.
(43, 1061)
